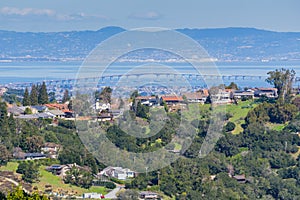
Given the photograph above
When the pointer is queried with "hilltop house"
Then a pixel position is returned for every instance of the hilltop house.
(38, 109)
(267, 92)
(223, 97)
(118, 172)
(147, 100)
(51, 149)
(60, 170)
(171, 100)
(102, 106)
(195, 97)
(36, 116)
(34, 156)
(248, 94)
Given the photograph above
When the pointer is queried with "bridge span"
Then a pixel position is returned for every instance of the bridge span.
(101, 80)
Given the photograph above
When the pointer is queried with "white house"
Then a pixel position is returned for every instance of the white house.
(148, 195)
(102, 106)
(118, 172)
(92, 196)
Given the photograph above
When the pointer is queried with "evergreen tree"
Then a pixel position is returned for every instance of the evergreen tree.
(4, 125)
(43, 95)
(4, 155)
(34, 95)
(12, 124)
(70, 105)
(66, 96)
(26, 98)
(51, 96)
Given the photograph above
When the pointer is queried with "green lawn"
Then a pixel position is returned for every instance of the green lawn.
(238, 112)
(57, 184)
(195, 111)
(11, 166)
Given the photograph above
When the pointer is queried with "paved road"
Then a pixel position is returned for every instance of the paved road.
(112, 194)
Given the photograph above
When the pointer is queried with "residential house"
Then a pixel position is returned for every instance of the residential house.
(222, 97)
(92, 196)
(61, 170)
(239, 94)
(118, 173)
(103, 117)
(267, 92)
(57, 106)
(57, 113)
(148, 195)
(51, 149)
(240, 178)
(38, 109)
(102, 106)
(195, 97)
(116, 113)
(34, 156)
(15, 110)
(36, 116)
(171, 100)
(147, 100)
(55, 169)
(60, 110)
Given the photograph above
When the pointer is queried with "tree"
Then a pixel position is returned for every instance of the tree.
(28, 111)
(66, 96)
(29, 170)
(4, 124)
(34, 95)
(282, 79)
(79, 177)
(43, 95)
(128, 195)
(4, 155)
(134, 94)
(105, 95)
(142, 110)
(19, 194)
(232, 85)
(34, 143)
(230, 126)
(52, 97)
(26, 98)
(70, 105)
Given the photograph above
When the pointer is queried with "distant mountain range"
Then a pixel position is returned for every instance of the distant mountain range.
(223, 44)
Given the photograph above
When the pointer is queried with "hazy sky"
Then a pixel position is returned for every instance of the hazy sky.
(60, 15)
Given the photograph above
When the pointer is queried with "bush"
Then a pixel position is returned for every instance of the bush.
(230, 126)
(106, 184)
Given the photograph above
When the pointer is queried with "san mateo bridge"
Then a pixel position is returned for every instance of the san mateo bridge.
(108, 80)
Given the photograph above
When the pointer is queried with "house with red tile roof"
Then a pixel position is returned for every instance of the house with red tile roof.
(171, 99)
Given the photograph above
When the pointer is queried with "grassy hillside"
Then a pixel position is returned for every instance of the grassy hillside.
(56, 182)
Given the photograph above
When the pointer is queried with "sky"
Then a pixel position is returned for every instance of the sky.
(69, 15)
